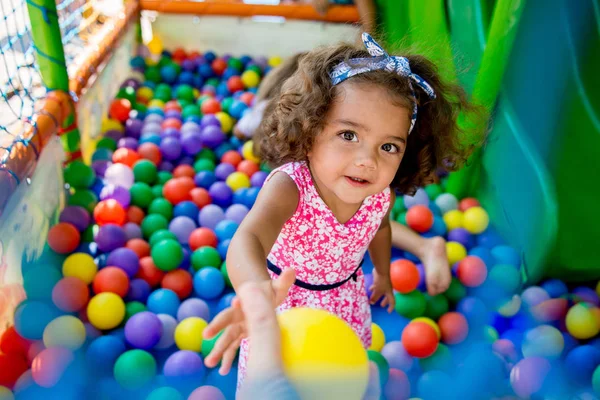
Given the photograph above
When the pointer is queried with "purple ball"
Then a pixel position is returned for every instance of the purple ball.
(212, 136)
(151, 127)
(221, 194)
(422, 284)
(207, 392)
(132, 231)
(170, 148)
(110, 237)
(153, 119)
(262, 62)
(258, 179)
(126, 259)
(188, 65)
(133, 128)
(134, 83)
(184, 364)
(236, 213)
(100, 167)
(118, 193)
(210, 120)
(587, 295)
(223, 170)
(166, 166)
(173, 132)
(173, 114)
(190, 127)
(528, 375)
(139, 290)
(76, 215)
(186, 160)
(128, 143)
(169, 324)
(210, 216)
(114, 134)
(462, 236)
(143, 330)
(191, 143)
(396, 356)
(193, 308)
(182, 227)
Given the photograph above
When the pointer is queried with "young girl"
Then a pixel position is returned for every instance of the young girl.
(349, 128)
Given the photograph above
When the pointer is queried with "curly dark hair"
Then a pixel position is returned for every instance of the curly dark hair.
(298, 114)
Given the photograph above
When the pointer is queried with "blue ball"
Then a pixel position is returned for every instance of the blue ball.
(88, 248)
(187, 257)
(168, 73)
(97, 186)
(198, 81)
(205, 179)
(253, 90)
(439, 226)
(580, 364)
(435, 209)
(205, 71)
(226, 229)
(555, 288)
(31, 318)
(102, 154)
(223, 90)
(239, 196)
(209, 283)
(434, 385)
(151, 138)
(235, 142)
(489, 238)
(411, 257)
(237, 108)
(149, 84)
(186, 209)
(251, 196)
(474, 311)
(226, 383)
(138, 62)
(39, 281)
(485, 254)
(225, 302)
(156, 110)
(193, 118)
(506, 255)
(229, 72)
(245, 59)
(186, 78)
(163, 301)
(103, 352)
(505, 276)
(223, 247)
(222, 149)
(139, 290)
(210, 56)
(515, 336)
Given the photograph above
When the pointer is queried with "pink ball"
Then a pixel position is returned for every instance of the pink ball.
(49, 365)
(396, 356)
(207, 393)
(397, 386)
(529, 375)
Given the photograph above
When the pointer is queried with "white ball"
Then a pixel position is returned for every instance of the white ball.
(420, 197)
(446, 202)
(119, 175)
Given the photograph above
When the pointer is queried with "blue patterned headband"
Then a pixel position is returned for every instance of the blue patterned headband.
(380, 60)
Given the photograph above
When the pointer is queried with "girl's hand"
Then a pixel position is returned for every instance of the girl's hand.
(382, 286)
(435, 262)
(233, 321)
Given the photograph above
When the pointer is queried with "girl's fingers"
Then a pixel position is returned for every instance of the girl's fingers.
(229, 356)
(229, 335)
(220, 322)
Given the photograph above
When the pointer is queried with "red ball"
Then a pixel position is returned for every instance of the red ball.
(125, 156)
(419, 339)
(139, 246)
(471, 271)
(70, 294)
(210, 106)
(235, 84)
(150, 151)
(232, 157)
(200, 197)
(12, 367)
(135, 215)
(397, 386)
(454, 327)
(178, 189)
(172, 105)
(202, 237)
(63, 238)
(179, 54)
(193, 55)
(149, 272)
(171, 123)
(109, 212)
(247, 98)
(184, 170)
(179, 281)
(11, 342)
(467, 203)
(120, 109)
(248, 167)
(419, 218)
(404, 275)
(219, 66)
(111, 279)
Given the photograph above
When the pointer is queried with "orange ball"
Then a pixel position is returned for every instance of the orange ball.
(150, 151)
(200, 197)
(404, 275)
(202, 237)
(210, 106)
(467, 203)
(171, 123)
(235, 84)
(184, 170)
(172, 105)
(109, 212)
(454, 327)
(125, 156)
(119, 109)
(139, 246)
(149, 272)
(111, 279)
(471, 271)
(247, 98)
(219, 66)
(179, 281)
(419, 218)
(232, 157)
(419, 339)
(63, 238)
(135, 215)
(248, 167)
(178, 189)
(70, 294)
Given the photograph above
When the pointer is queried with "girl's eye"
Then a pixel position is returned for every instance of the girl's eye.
(349, 136)
(390, 148)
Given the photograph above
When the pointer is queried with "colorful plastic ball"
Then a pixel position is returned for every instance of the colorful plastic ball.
(378, 338)
(238, 180)
(167, 254)
(231, 157)
(506, 277)
(193, 308)
(167, 339)
(467, 203)
(49, 366)
(419, 218)
(207, 392)
(210, 216)
(528, 376)
(462, 236)
(226, 229)
(453, 219)
(63, 238)
(178, 190)
(436, 306)
(104, 210)
(404, 276)
(250, 79)
(534, 295)
(182, 227)
(119, 175)
(106, 310)
(153, 223)
(119, 109)
(111, 279)
(221, 194)
(80, 265)
(39, 280)
(580, 364)
(126, 156)
(555, 288)
(581, 322)
(110, 212)
(125, 259)
(205, 256)
(472, 271)
(143, 330)
(225, 121)
(543, 341)
(419, 339)
(410, 305)
(188, 334)
(134, 369)
(259, 178)
(201, 237)
(396, 356)
(456, 252)
(163, 301)
(139, 290)
(179, 281)
(210, 106)
(475, 220)
(79, 175)
(139, 247)
(248, 152)
(453, 327)
(223, 170)
(103, 352)
(507, 255)
(209, 283)
(184, 364)
(65, 331)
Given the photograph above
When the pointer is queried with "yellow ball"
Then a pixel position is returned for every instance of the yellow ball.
(225, 120)
(6, 393)
(66, 331)
(80, 265)
(511, 307)
(238, 180)
(598, 288)
(431, 323)
(378, 338)
(150, 62)
(106, 310)
(476, 220)
(455, 251)
(322, 355)
(156, 103)
(196, 93)
(274, 61)
(250, 79)
(145, 93)
(248, 153)
(453, 219)
(188, 334)
(109, 124)
(581, 322)
(155, 45)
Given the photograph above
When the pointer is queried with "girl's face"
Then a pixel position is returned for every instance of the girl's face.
(361, 146)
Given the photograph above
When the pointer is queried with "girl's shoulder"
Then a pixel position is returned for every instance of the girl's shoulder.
(297, 171)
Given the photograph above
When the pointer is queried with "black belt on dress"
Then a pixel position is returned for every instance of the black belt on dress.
(277, 271)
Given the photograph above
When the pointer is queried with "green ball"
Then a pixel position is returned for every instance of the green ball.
(161, 206)
(183, 103)
(433, 190)
(185, 92)
(161, 235)
(106, 143)
(213, 82)
(236, 63)
(490, 333)
(205, 256)
(89, 233)
(207, 154)
(440, 360)
(204, 164)
(506, 277)
(410, 305)
(140, 107)
(596, 380)
(163, 96)
(141, 195)
(167, 254)
(134, 369)
(399, 205)
(208, 344)
(145, 171)
(165, 393)
(164, 177)
(436, 306)
(127, 93)
(157, 191)
(132, 308)
(79, 176)
(382, 365)
(226, 104)
(164, 88)
(164, 61)
(401, 218)
(265, 168)
(84, 198)
(456, 291)
(256, 69)
(191, 110)
(152, 74)
(152, 223)
(226, 274)
(202, 99)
